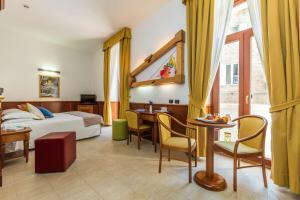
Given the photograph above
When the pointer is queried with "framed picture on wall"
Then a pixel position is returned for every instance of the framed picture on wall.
(49, 86)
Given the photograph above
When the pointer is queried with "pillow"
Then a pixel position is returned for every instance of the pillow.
(23, 107)
(34, 110)
(19, 115)
(15, 121)
(46, 112)
(12, 110)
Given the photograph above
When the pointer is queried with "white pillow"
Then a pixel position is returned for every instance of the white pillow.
(19, 115)
(4, 112)
(34, 110)
(15, 121)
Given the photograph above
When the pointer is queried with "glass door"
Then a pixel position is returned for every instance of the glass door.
(229, 83)
(259, 99)
(240, 86)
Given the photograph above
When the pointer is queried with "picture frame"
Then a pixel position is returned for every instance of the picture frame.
(49, 86)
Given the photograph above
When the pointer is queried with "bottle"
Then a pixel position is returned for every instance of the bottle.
(150, 106)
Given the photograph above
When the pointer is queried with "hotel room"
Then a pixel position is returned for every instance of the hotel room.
(149, 99)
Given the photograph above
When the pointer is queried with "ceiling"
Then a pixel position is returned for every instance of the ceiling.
(79, 24)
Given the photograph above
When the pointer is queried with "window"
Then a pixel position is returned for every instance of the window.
(240, 19)
(228, 74)
(232, 74)
(235, 77)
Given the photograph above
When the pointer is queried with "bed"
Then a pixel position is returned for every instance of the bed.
(60, 122)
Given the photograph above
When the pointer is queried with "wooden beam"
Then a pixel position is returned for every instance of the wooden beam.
(179, 37)
(175, 79)
(2, 4)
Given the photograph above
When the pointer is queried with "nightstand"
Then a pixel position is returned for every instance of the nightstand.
(89, 108)
(15, 136)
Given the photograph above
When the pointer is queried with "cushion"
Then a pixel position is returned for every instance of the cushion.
(133, 119)
(19, 115)
(249, 126)
(46, 112)
(179, 142)
(165, 133)
(23, 107)
(229, 146)
(145, 126)
(34, 110)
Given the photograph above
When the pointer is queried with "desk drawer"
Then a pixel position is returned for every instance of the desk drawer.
(151, 118)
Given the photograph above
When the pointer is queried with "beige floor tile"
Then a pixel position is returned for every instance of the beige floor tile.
(111, 170)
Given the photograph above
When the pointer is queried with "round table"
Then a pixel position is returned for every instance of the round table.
(209, 179)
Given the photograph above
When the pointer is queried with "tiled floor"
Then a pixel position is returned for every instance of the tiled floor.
(111, 170)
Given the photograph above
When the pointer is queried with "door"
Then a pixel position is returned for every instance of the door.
(240, 86)
(230, 93)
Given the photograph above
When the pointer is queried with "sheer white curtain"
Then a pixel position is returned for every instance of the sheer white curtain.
(223, 10)
(114, 72)
(255, 16)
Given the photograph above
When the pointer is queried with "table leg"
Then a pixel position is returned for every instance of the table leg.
(2, 154)
(208, 179)
(155, 135)
(26, 148)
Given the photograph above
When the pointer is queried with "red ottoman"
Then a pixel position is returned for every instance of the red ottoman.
(55, 152)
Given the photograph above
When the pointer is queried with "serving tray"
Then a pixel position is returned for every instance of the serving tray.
(202, 119)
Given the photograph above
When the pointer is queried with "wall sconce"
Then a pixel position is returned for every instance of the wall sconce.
(49, 72)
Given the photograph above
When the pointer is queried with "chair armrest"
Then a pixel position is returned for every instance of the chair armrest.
(237, 142)
(178, 134)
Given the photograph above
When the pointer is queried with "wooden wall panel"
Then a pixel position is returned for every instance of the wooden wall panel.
(54, 106)
(115, 110)
(63, 106)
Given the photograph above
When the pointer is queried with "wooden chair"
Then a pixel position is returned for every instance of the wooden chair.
(172, 140)
(250, 143)
(134, 126)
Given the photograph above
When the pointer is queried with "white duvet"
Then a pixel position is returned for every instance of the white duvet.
(60, 122)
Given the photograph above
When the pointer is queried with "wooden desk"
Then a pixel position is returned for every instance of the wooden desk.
(208, 179)
(151, 117)
(14, 136)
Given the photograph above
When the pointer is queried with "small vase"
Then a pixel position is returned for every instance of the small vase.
(150, 108)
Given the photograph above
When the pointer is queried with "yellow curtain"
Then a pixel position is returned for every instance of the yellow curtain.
(124, 75)
(280, 24)
(106, 89)
(124, 37)
(200, 18)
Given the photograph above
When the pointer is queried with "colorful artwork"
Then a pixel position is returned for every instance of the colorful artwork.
(169, 69)
(49, 86)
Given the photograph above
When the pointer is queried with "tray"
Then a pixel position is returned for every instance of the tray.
(202, 119)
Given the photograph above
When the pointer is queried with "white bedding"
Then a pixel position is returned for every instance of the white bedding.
(60, 122)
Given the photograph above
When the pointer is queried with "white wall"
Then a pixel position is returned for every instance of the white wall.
(21, 56)
(148, 37)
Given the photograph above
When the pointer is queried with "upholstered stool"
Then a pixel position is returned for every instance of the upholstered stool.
(120, 129)
(55, 152)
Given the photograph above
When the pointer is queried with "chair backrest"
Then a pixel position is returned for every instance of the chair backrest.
(251, 124)
(164, 120)
(133, 119)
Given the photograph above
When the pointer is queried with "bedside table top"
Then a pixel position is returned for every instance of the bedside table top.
(7, 132)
